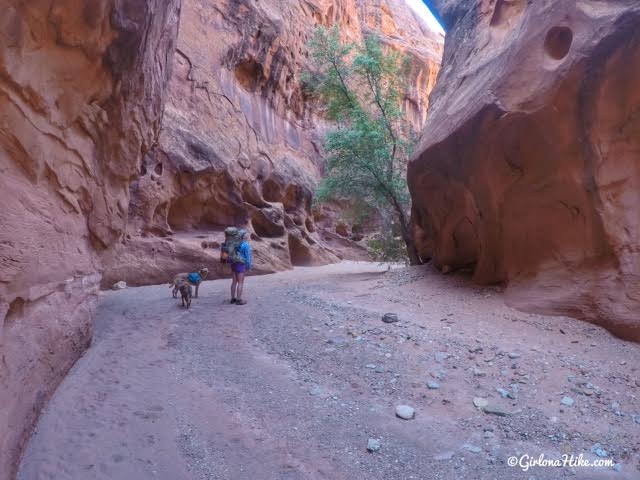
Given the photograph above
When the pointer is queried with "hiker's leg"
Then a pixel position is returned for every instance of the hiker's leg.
(234, 284)
(240, 285)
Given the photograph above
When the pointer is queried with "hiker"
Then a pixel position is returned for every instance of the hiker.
(237, 252)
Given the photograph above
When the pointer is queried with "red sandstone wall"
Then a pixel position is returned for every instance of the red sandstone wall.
(528, 170)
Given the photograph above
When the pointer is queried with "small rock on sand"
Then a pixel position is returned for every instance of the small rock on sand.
(599, 451)
(480, 402)
(315, 390)
(494, 409)
(373, 445)
(567, 401)
(405, 412)
(390, 318)
(504, 393)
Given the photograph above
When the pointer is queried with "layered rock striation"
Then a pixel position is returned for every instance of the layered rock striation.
(528, 170)
(240, 141)
(82, 89)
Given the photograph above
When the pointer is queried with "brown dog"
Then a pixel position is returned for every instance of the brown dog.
(184, 277)
(185, 293)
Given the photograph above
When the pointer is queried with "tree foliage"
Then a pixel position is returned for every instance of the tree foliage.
(362, 87)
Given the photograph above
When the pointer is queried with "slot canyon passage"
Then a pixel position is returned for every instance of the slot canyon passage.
(133, 130)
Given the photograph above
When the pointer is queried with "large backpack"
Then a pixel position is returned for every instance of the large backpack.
(229, 250)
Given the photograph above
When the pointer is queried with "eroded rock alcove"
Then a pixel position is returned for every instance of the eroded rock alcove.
(528, 170)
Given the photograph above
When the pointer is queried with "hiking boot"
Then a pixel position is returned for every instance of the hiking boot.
(233, 300)
(241, 302)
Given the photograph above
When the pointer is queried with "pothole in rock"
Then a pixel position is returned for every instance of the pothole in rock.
(249, 74)
(558, 42)
(16, 311)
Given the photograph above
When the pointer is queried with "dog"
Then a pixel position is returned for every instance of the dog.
(184, 277)
(185, 293)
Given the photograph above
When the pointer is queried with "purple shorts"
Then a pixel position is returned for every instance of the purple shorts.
(238, 267)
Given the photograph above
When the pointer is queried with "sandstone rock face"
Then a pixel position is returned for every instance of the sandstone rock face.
(240, 143)
(100, 183)
(82, 87)
(529, 165)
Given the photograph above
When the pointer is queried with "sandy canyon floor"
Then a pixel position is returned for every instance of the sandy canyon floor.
(295, 383)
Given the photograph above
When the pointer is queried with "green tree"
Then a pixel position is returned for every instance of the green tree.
(362, 87)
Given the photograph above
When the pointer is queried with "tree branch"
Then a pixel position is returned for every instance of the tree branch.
(376, 95)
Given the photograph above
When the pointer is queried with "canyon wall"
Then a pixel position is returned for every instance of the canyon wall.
(240, 142)
(82, 88)
(113, 167)
(528, 170)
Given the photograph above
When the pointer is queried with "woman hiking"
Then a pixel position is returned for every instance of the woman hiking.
(240, 263)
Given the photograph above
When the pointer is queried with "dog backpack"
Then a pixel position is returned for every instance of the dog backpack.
(229, 249)
(194, 277)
